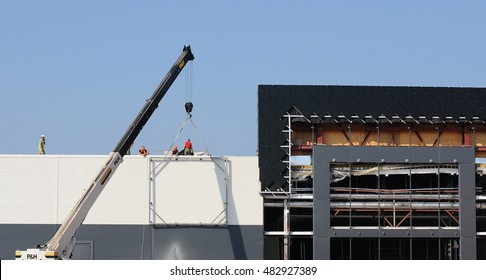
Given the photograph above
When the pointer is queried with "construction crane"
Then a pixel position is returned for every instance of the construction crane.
(61, 245)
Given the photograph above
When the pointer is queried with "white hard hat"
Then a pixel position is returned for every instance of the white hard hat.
(42, 136)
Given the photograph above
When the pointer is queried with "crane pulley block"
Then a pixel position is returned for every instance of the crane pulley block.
(189, 107)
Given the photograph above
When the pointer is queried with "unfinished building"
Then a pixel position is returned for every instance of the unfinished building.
(358, 172)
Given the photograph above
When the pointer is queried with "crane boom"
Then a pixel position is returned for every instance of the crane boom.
(62, 243)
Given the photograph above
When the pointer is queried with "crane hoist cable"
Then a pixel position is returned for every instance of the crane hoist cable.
(199, 135)
(188, 106)
(169, 153)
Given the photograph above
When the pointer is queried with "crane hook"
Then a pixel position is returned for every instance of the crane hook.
(189, 106)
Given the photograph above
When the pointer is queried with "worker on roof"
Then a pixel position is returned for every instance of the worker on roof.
(175, 151)
(143, 151)
(42, 143)
(188, 148)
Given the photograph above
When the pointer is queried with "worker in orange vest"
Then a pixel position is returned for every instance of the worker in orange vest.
(188, 148)
(143, 151)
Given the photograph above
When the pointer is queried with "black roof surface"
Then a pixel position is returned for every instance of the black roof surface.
(274, 101)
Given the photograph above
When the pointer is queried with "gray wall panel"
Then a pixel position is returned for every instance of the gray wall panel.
(468, 221)
(468, 248)
(424, 154)
(456, 154)
(371, 154)
(332, 153)
(20, 237)
(134, 242)
(394, 154)
(467, 206)
(322, 248)
(196, 243)
(321, 218)
(321, 179)
(467, 180)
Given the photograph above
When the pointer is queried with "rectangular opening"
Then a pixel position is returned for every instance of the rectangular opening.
(394, 195)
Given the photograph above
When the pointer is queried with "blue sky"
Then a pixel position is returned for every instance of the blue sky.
(79, 72)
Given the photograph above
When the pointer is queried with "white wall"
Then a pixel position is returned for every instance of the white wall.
(42, 190)
(190, 192)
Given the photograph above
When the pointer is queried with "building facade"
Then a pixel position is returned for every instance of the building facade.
(355, 172)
